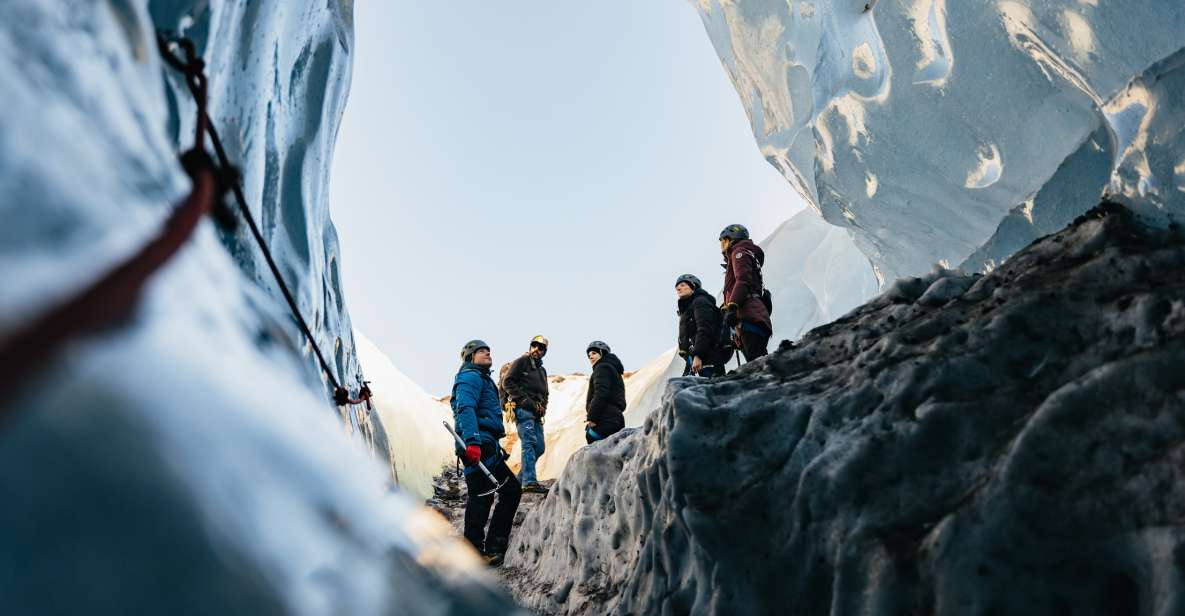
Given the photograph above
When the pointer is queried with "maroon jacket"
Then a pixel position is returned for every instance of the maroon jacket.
(743, 283)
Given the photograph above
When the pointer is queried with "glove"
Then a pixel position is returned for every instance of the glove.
(730, 316)
(472, 454)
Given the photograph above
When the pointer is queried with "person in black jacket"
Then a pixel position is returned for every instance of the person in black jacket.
(605, 404)
(700, 328)
(526, 397)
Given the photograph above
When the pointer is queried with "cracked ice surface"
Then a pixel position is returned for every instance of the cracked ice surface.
(945, 132)
(188, 462)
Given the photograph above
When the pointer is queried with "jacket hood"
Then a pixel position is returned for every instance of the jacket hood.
(750, 245)
(611, 360)
(685, 302)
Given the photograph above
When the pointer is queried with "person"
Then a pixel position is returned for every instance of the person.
(700, 322)
(525, 386)
(605, 404)
(746, 310)
(478, 421)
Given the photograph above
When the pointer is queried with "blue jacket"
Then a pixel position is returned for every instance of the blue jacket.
(476, 411)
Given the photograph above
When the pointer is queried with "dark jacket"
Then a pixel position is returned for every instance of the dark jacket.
(476, 413)
(526, 383)
(699, 327)
(605, 404)
(743, 283)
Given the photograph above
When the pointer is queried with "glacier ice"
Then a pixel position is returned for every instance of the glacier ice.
(189, 461)
(419, 446)
(942, 132)
(1006, 443)
(815, 273)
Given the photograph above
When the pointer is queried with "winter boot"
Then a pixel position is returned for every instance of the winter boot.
(535, 488)
(495, 551)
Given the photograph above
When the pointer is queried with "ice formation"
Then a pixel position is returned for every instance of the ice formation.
(815, 273)
(189, 461)
(952, 132)
(1007, 443)
(419, 446)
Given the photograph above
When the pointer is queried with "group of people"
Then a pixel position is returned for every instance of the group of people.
(708, 335)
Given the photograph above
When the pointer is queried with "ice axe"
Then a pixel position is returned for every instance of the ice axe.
(489, 475)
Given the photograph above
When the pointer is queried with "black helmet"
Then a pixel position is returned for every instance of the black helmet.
(691, 280)
(735, 233)
(471, 347)
(598, 346)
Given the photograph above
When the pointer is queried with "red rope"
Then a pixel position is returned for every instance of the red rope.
(110, 299)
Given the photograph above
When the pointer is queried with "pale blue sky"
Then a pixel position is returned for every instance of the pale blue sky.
(506, 169)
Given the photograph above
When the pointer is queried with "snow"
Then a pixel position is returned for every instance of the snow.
(1000, 443)
(924, 127)
(411, 418)
(190, 461)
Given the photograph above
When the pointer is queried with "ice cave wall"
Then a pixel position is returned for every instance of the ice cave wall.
(941, 132)
(189, 460)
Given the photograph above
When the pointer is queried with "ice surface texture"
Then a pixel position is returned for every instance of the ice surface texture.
(1008, 443)
(189, 461)
(939, 130)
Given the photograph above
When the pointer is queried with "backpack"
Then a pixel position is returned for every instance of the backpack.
(767, 298)
(502, 372)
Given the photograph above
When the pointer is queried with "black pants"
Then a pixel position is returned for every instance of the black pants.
(754, 344)
(477, 508)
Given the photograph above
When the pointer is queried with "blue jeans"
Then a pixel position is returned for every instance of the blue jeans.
(530, 432)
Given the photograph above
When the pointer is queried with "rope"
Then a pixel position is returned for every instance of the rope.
(341, 396)
(111, 299)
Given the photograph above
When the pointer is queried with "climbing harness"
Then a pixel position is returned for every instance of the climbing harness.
(111, 298)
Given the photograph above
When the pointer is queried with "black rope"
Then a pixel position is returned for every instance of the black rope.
(232, 177)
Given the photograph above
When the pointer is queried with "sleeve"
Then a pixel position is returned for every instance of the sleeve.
(706, 329)
(465, 395)
(744, 266)
(513, 382)
(546, 389)
(599, 393)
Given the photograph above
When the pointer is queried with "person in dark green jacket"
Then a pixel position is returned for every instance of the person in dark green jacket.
(478, 420)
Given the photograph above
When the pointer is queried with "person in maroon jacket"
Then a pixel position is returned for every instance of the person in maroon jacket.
(745, 309)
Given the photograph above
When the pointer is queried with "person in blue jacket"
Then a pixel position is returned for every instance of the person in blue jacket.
(477, 416)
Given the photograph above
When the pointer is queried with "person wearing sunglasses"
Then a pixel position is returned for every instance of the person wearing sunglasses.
(525, 386)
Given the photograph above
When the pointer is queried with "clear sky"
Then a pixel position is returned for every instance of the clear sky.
(506, 169)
